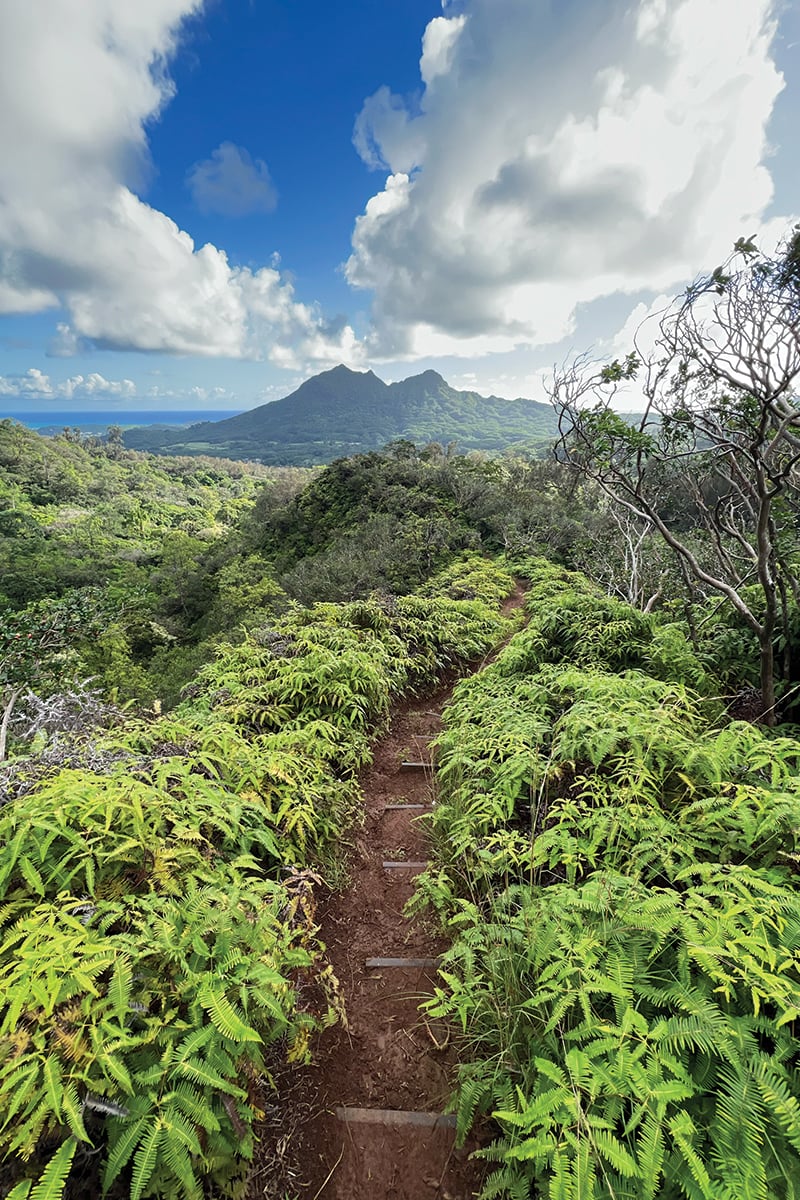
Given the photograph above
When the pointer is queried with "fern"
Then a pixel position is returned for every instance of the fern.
(52, 1179)
(146, 1156)
(614, 865)
(155, 915)
(224, 1015)
(50, 1185)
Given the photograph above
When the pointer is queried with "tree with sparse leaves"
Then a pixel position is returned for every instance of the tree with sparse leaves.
(722, 420)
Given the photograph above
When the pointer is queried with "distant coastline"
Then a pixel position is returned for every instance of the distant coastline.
(92, 422)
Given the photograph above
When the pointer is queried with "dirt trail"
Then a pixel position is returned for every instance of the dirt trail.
(390, 1057)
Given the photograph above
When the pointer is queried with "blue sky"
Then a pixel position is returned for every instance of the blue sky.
(201, 204)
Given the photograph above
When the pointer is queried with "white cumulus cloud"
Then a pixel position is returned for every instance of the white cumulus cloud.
(438, 41)
(36, 385)
(386, 132)
(77, 87)
(558, 154)
(232, 183)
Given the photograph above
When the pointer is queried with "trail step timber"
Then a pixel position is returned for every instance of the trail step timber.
(373, 964)
(395, 1116)
(408, 864)
(379, 1132)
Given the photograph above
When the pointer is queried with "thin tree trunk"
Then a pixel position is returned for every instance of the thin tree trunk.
(654, 599)
(787, 633)
(689, 603)
(768, 716)
(4, 724)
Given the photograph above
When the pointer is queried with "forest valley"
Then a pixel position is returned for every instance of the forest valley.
(195, 658)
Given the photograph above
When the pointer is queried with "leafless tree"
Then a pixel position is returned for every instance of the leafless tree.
(624, 567)
(78, 708)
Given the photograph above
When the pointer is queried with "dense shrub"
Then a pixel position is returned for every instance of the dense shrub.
(157, 927)
(615, 861)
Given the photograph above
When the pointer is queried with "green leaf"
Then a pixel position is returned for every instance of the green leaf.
(119, 993)
(51, 1072)
(123, 1145)
(51, 1182)
(224, 1015)
(146, 1157)
(31, 876)
(72, 1109)
(21, 1191)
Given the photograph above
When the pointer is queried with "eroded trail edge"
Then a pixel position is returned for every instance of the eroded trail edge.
(380, 1085)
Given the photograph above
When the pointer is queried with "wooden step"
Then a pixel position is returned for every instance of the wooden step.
(395, 1116)
(404, 807)
(408, 864)
(406, 767)
(373, 964)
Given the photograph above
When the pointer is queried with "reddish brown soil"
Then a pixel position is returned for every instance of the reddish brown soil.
(387, 1057)
(390, 1056)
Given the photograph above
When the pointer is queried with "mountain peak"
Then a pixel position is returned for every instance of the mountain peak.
(337, 381)
(341, 411)
(428, 380)
(343, 372)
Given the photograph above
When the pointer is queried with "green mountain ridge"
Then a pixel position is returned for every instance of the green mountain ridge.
(343, 412)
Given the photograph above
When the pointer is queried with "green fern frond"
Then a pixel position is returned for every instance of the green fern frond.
(50, 1185)
(228, 1021)
(146, 1156)
(21, 1190)
(124, 1139)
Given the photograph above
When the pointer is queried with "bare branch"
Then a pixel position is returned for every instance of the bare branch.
(722, 416)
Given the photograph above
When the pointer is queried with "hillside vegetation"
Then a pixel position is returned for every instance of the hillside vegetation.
(124, 545)
(131, 569)
(157, 937)
(195, 658)
(617, 866)
(347, 412)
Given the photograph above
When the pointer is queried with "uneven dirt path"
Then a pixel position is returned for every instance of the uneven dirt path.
(379, 1085)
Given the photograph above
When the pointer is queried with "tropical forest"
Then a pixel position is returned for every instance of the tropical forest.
(419, 823)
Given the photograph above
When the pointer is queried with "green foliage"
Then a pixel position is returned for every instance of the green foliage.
(39, 644)
(189, 553)
(157, 913)
(617, 371)
(344, 412)
(649, 1031)
(159, 538)
(51, 1181)
(71, 511)
(245, 592)
(615, 441)
(380, 520)
(471, 577)
(386, 552)
(615, 862)
(92, 834)
(571, 620)
(717, 431)
(387, 520)
(147, 1013)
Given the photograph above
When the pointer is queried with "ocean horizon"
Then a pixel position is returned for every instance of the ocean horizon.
(105, 417)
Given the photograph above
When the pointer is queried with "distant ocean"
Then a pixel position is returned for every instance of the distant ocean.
(101, 420)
